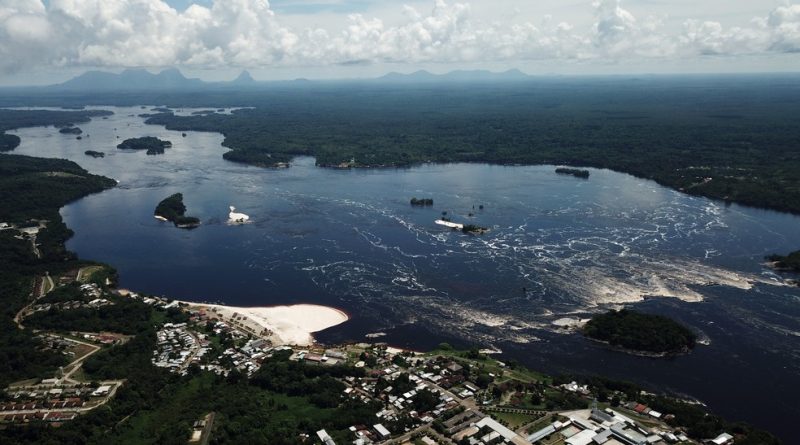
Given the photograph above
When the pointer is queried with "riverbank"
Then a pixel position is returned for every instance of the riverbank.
(283, 325)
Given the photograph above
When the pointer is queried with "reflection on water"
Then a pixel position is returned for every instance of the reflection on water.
(557, 245)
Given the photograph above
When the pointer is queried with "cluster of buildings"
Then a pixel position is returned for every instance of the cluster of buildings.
(92, 297)
(51, 400)
(152, 301)
(177, 347)
(68, 305)
(246, 358)
(457, 416)
(602, 427)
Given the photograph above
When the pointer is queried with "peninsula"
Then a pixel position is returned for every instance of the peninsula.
(172, 209)
(153, 145)
(640, 333)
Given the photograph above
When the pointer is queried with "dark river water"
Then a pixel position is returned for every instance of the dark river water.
(558, 247)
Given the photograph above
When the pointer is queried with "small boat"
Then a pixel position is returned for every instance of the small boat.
(237, 217)
(450, 224)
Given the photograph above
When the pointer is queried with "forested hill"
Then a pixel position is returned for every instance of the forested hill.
(37, 188)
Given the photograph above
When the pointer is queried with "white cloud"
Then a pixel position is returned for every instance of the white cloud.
(247, 33)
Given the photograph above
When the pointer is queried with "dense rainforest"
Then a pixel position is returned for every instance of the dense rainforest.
(732, 138)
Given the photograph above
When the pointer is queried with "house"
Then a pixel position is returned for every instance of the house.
(723, 439)
(454, 367)
(325, 438)
(382, 431)
(101, 391)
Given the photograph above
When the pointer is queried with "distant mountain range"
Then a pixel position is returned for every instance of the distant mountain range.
(172, 79)
(423, 76)
(130, 79)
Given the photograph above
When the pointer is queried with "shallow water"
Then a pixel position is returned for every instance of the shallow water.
(557, 246)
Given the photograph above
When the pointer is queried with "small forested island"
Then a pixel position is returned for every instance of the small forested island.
(94, 154)
(259, 159)
(640, 333)
(578, 173)
(70, 130)
(152, 144)
(424, 202)
(789, 263)
(172, 209)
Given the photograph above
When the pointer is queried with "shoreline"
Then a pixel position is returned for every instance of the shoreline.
(282, 325)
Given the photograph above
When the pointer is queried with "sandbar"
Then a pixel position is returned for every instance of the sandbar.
(283, 325)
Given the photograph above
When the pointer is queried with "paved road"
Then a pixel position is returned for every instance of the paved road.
(47, 283)
(77, 363)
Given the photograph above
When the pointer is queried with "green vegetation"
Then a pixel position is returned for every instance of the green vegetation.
(37, 188)
(424, 202)
(32, 188)
(578, 173)
(640, 332)
(731, 139)
(153, 145)
(95, 154)
(790, 262)
(257, 158)
(173, 209)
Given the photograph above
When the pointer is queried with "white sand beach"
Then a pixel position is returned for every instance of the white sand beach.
(287, 325)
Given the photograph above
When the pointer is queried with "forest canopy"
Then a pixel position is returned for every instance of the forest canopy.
(640, 332)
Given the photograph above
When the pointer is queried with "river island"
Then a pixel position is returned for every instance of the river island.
(172, 209)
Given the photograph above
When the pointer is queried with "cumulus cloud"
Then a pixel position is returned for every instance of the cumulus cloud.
(247, 33)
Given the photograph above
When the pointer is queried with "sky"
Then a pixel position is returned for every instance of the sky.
(48, 41)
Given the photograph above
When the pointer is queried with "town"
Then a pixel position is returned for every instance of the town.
(440, 397)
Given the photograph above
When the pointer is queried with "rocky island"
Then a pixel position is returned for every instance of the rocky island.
(153, 145)
(70, 130)
(578, 173)
(424, 202)
(640, 333)
(94, 154)
(472, 228)
(172, 209)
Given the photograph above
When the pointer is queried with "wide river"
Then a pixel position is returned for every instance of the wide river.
(558, 247)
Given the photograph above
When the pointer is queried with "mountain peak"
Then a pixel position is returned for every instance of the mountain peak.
(244, 77)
